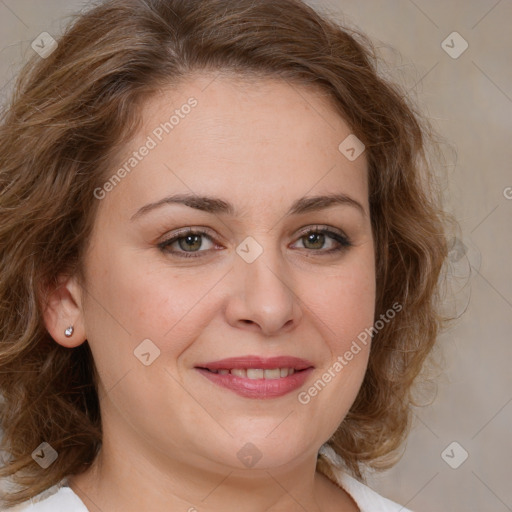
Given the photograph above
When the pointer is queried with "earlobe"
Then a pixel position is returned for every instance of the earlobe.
(62, 312)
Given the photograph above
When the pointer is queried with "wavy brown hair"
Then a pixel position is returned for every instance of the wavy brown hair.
(68, 115)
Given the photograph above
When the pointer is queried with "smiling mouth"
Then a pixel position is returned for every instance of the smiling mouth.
(258, 377)
(258, 383)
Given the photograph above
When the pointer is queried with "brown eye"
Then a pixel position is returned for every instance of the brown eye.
(187, 242)
(192, 242)
(314, 239)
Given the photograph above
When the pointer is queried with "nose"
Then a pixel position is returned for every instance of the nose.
(261, 296)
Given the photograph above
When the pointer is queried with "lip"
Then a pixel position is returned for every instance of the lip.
(258, 388)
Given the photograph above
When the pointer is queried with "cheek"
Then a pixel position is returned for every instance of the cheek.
(344, 302)
(171, 307)
(143, 295)
(128, 302)
(342, 309)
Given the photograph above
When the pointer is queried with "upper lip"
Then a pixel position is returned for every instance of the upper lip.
(257, 362)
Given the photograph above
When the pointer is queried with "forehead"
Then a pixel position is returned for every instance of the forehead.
(256, 139)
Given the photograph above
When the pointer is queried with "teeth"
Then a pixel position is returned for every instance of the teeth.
(272, 374)
(254, 373)
(257, 373)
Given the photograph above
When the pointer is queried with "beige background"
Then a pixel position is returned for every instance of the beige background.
(469, 100)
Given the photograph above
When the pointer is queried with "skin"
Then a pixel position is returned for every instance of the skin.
(171, 437)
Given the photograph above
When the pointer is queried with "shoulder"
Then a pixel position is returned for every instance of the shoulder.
(366, 498)
(58, 498)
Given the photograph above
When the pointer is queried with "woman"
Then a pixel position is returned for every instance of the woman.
(221, 251)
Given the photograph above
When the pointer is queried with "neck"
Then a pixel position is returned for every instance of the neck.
(130, 475)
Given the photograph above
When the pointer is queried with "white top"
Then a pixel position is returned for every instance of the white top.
(61, 498)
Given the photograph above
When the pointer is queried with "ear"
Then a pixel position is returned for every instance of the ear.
(63, 309)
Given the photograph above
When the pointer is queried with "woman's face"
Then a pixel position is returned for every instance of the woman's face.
(254, 284)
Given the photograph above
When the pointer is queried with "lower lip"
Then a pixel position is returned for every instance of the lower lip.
(258, 388)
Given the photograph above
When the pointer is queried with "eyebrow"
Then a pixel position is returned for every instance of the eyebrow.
(217, 205)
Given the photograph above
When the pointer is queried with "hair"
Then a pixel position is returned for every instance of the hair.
(70, 111)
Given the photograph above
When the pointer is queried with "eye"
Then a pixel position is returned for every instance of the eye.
(316, 237)
(188, 242)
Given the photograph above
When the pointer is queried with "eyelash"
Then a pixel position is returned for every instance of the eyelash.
(342, 240)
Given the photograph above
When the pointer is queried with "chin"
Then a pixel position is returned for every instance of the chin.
(264, 450)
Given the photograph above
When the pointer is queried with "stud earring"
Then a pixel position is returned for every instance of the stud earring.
(69, 331)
